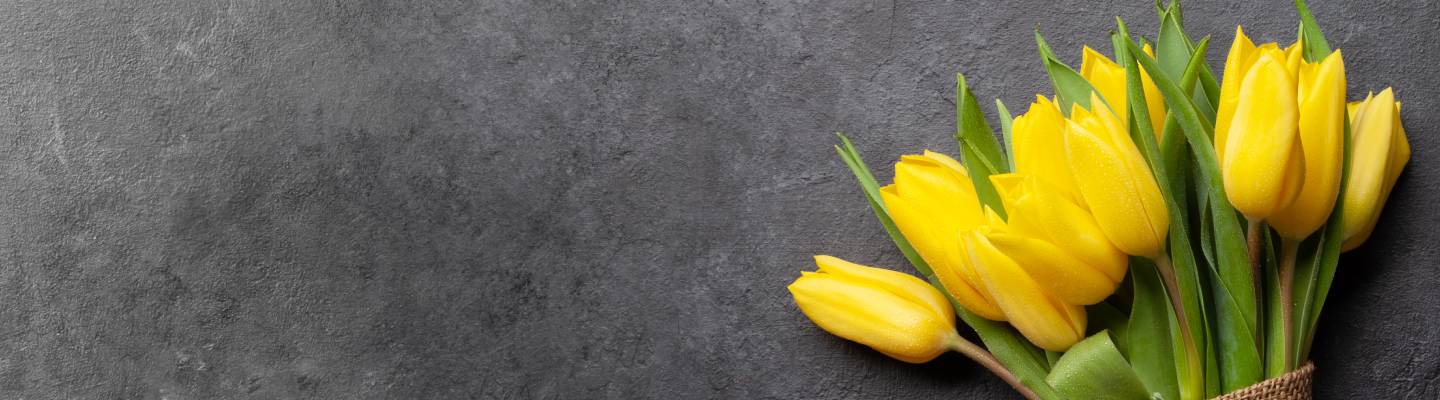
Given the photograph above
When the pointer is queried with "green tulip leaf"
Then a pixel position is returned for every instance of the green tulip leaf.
(1212, 363)
(1005, 122)
(1239, 292)
(1211, 89)
(1307, 273)
(1070, 87)
(1094, 370)
(1202, 207)
(1151, 349)
(1105, 317)
(1173, 52)
(1117, 43)
(1239, 355)
(1173, 48)
(1315, 46)
(979, 151)
(1239, 352)
(1053, 357)
(1177, 163)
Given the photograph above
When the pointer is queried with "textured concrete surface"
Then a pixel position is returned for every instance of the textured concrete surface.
(517, 199)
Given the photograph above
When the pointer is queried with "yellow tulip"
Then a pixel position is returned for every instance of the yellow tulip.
(1043, 319)
(1380, 152)
(1115, 181)
(1059, 244)
(1109, 79)
(932, 201)
(1038, 138)
(1321, 104)
(1260, 151)
(894, 313)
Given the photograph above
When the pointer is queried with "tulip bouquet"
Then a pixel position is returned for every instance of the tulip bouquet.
(1151, 231)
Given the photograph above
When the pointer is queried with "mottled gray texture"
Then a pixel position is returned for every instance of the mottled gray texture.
(517, 199)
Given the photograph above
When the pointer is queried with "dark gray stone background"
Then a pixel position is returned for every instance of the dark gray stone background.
(517, 199)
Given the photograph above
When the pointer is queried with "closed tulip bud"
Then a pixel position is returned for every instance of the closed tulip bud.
(1321, 128)
(1261, 156)
(932, 201)
(1043, 319)
(1055, 241)
(1115, 181)
(1380, 152)
(894, 313)
(1109, 79)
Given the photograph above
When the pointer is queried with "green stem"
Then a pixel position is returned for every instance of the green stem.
(1289, 249)
(1254, 240)
(1193, 372)
(989, 361)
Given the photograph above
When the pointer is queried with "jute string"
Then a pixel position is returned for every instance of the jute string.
(1292, 386)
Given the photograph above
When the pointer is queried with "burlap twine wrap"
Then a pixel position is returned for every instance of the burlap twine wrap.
(1292, 386)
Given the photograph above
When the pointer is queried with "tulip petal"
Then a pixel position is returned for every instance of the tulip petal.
(901, 284)
(954, 166)
(1294, 57)
(1039, 141)
(1028, 308)
(1235, 68)
(1294, 175)
(1107, 77)
(1057, 272)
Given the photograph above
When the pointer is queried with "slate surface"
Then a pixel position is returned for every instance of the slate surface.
(516, 199)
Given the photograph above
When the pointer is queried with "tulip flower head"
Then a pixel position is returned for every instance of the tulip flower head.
(894, 313)
(1380, 152)
(932, 201)
(1115, 181)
